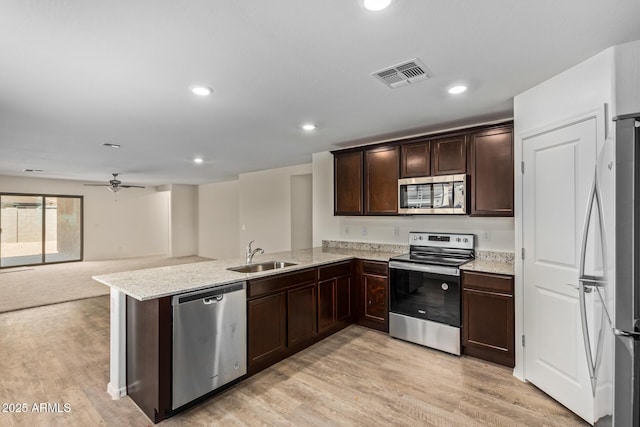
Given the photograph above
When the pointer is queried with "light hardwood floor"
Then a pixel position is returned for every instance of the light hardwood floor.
(60, 354)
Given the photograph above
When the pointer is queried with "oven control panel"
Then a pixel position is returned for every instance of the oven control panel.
(442, 240)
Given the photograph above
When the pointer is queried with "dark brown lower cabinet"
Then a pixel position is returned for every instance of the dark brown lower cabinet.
(344, 300)
(266, 328)
(334, 296)
(373, 295)
(488, 317)
(326, 297)
(301, 314)
(149, 351)
(280, 316)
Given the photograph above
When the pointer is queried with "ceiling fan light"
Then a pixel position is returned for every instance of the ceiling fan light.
(113, 189)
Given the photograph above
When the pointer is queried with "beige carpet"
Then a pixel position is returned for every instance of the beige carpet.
(25, 287)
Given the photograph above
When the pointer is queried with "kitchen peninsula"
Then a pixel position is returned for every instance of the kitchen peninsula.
(142, 299)
(325, 290)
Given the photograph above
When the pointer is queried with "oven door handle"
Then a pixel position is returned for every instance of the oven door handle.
(423, 268)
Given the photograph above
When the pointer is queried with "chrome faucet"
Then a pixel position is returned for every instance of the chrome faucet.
(251, 253)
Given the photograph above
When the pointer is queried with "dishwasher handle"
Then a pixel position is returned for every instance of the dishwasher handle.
(209, 296)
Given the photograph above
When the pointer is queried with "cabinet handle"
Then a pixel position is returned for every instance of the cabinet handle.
(369, 302)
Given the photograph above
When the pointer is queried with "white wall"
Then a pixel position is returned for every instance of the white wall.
(218, 219)
(582, 89)
(325, 225)
(627, 78)
(184, 220)
(495, 234)
(133, 222)
(265, 208)
(301, 211)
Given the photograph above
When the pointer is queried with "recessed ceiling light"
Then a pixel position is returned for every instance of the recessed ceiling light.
(376, 5)
(106, 144)
(457, 89)
(201, 90)
(198, 160)
(308, 126)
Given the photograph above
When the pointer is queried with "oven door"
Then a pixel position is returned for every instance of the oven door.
(425, 292)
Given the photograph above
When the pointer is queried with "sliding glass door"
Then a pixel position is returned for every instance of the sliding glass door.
(22, 230)
(39, 229)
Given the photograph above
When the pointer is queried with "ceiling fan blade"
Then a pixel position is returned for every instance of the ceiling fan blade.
(97, 185)
(131, 186)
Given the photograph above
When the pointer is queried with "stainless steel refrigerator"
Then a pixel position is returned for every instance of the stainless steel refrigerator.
(626, 310)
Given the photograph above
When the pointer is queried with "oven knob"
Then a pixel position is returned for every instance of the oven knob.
(458, 239)
(420, 237)
(466, 240)
(444, 286)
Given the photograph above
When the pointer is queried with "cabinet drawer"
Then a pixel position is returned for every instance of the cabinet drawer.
(279, 282)
(334, 270)
(488, 282)
(377, 268)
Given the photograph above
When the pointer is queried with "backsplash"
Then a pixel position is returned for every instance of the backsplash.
(365, 246)
(508, 257)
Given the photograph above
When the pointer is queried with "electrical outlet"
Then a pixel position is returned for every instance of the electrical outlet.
(396, 231)
(485, 236)
(364, 231)
(347, 230)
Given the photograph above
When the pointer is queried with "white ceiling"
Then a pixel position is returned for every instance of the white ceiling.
(77, 74)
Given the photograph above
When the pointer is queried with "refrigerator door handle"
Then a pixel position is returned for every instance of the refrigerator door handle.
(587, 283)
(586, 339)
(587, 287)
(626, 334)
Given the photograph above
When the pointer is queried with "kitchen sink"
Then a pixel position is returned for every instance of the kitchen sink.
(261, 266)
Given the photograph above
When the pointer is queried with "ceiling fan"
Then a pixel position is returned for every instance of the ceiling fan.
(114, 184)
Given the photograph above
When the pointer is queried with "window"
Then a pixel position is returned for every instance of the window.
(40, 229)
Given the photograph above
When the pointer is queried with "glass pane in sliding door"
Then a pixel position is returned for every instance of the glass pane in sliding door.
(20, 230)
(63, 225)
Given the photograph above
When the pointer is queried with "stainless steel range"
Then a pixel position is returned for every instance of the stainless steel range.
(424, 287)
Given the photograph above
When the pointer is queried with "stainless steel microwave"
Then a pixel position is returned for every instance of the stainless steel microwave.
(446, 194)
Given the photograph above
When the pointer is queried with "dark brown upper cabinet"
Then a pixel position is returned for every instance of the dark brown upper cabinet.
(347, 171)
(381, 173)
(366, 178)
(449, 155)
(416, 160)
(491, 171)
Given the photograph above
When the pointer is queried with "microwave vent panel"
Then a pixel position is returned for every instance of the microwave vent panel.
(402, 74)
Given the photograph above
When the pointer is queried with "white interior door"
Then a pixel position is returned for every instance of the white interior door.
(559, 167)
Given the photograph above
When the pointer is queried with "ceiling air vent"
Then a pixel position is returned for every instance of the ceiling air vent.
(402, 74)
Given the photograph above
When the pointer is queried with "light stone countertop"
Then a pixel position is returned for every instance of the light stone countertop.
(486, 266)
(176, 279)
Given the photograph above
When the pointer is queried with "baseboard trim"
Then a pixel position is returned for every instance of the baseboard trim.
(116, 393)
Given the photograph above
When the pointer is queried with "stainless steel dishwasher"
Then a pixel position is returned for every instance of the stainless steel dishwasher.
(209, 340)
